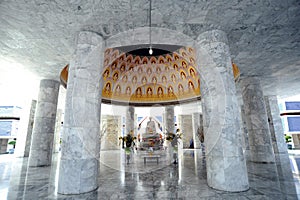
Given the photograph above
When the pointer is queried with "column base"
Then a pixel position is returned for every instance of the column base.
(78, 176)
(227, 173)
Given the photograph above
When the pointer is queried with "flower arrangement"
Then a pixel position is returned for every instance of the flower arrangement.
(173, 138)
(128, 140)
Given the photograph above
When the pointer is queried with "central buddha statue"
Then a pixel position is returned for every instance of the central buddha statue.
(150, 139)
(150, 128)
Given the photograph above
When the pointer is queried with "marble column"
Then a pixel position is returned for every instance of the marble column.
(169, 127)
(280, 148)
(44, 124)
(245, 141)
(169, 119)
(259, 137)
(275, 125)
(80, 147)
(3, 146)
(225, 163)
(25, 130)
(196, 125)
(56, 144)
(30, 128)
(295, 138)
(130, 119)
(185, 123)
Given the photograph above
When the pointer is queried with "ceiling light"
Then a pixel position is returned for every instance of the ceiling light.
(150, 50)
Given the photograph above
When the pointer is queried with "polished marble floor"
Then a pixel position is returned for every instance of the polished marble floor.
(137, 180)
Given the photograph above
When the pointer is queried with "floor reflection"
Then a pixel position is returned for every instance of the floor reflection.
(117, 180)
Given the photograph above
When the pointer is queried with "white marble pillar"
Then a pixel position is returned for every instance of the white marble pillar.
(225, 163)
(275, 125)
(245, 141)
(196, 125)
(25, 131)
(44, 124)
(295, 138)
(169, 128)
(169, 119)
(259, 137)
(279, 145)
(80, 147)
(3, 146)
(129, 119)
(185, 124)
(30, 128)
(56, 144)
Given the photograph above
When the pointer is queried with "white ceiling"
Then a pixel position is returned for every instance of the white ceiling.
(37, 37)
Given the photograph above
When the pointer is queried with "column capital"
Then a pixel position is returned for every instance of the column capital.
(88, 37)
(212, 36)
(249, 80)
(49, 83)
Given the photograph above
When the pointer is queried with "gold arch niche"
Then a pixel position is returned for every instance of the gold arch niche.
(144, 80)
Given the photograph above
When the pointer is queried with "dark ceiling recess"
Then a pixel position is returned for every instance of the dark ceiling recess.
(143, 50)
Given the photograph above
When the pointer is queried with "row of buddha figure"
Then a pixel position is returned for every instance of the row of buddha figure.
(149, 91)
(159, 66)
(154, 80)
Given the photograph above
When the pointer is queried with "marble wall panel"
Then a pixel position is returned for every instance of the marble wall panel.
(111, 131)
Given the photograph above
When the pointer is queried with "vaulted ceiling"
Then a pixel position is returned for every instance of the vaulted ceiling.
(264, 36)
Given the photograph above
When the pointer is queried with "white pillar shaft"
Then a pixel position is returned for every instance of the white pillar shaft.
(196, 127)
(130, 119)
(296, 141)
(30, 129)
(25, 131)
(224, 155)
(80, 147)
(44, 124)
(169, 127)
(245, 134)
(259, 137)
(275, 125)
(185, 124)
(169, 119)
(56, 142)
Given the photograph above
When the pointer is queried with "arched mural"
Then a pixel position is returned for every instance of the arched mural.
(166, 78)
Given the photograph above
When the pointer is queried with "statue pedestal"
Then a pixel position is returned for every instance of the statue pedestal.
(151, 141)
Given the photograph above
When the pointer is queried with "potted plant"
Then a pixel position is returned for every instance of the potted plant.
(128, 141)
(288, 139)
(12, 142)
